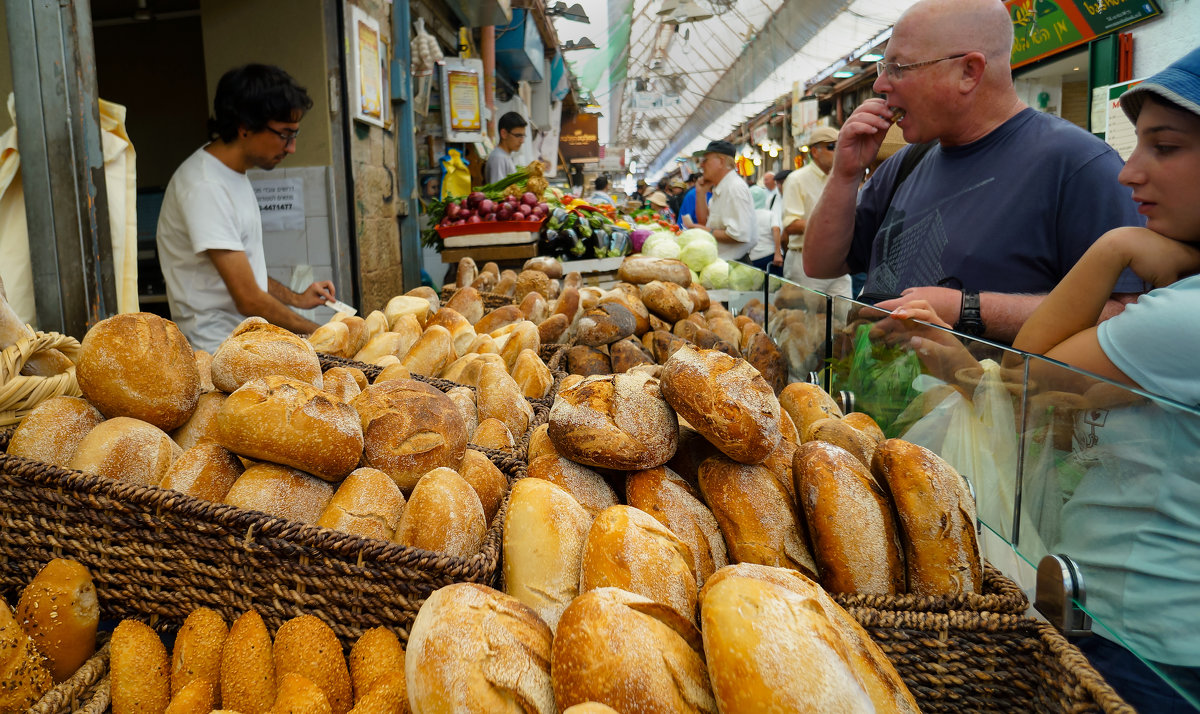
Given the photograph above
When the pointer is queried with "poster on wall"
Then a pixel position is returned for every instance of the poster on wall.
(369, 95)
(462, 99)
(1045, 27)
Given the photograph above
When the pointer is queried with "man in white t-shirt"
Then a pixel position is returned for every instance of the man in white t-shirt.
(209, 229)
(730, 214)
(512, 128)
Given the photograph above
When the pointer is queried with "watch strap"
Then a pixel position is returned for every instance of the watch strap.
(970, 316)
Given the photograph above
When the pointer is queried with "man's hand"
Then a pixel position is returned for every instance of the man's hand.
(687, 221)
(778, 259)
(945, 303)
(316, 294)
(860, 138)
(702, 186)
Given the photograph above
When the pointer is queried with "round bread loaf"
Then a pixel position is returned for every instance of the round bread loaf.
(290, 422)
(669, 499)
(670, 301)
(641, 269)
(529, 281)
(52, 432)
(443, 515)
(627, 549)
(654, 664)
(126, 449)
(206, 471)
(340, 382)
(545, 529)
(139, 365)
(726, 400)
(281, 492)
(605, 324)
(585, 485)
(376, 655)
(197, 652)
(616, 421)
(306, 646)
(258, 349)
(368, 503)
(248, 666)
(59, 611)
(475, 649)
(203, 422)
(551, 267)
(410, 429)
(138, 669)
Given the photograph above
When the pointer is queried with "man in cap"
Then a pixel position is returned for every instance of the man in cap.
(800, 194)
(996, 213)
(730, 214)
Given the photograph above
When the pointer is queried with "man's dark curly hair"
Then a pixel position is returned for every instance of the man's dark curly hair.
(252, 95)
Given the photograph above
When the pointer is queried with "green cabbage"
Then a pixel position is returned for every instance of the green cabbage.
(692, 234)
(744, 277)
(699, 253)
(715, 275)
(661, 248)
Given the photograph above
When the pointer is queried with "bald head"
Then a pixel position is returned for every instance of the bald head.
(945, 27)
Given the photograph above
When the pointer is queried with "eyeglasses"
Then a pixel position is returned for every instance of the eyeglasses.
(895, 72)
(287, 136)
(516, 135)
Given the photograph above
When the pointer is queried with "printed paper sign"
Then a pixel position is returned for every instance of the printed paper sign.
(281, 204)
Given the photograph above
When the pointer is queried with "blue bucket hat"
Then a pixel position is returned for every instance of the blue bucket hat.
(1179, 84)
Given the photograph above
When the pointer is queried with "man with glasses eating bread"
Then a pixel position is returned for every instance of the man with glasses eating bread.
(209, 229)
(1000, 207)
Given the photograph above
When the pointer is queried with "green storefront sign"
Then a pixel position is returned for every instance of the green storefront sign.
(1045, 27)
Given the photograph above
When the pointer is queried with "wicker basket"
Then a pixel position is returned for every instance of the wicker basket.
(999, 595)
(19, 393)
(491, 301)
(156, 554)
(988, 662)
(85, 691)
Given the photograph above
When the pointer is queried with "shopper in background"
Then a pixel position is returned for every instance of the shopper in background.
(772, 189)
(600, 196)
(675, 190)
(730, 215)
(801, 191)
(512, 128)
(996, 213)
(767, 252)
(209, 229)
(658, 202)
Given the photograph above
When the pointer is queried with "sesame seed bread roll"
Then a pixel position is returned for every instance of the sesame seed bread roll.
(206, 471)
(726, 400)
(300, 695)
(368, 503)
(197, 652)
(849, 517)
(665, 496)
(388, 696)
(545, 529)
(443, 515)
(198, 697)
(655, 664)
(258, 349)
(202, 422)
(52, 432)
(590, 708)
(489, 482)
(499, 397)
(126, 449)
(248, 666)
(341, 383)
(402, 305)
(475, 649)
(22, 670)
(59, 611)
(375, 654)
(306, 646)
(585, 485)
(616, 421)
(806, 403)
(281, 492)
(493, 434)
(290, 422)
(139, 670)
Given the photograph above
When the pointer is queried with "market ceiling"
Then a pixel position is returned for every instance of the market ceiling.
(666, 88)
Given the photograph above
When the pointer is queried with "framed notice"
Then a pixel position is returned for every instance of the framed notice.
(369, 94)
(462, 99)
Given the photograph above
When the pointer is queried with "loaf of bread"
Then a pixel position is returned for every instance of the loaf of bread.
(475, 649)
(936, 516)
(281, 492)
(590, 708)
(199, 696)
(762, 352)
(464, 399)
(493, 434)
(669, 499)
(755, 515)
(551, 267)
(206, 471)
(617, 421)
(522, 336)
(410, 429)
(359, 333)
(655, 663)
(629, 297)
(432, 353)
(698, 295)
(444, 515)
(539, 443)
(138, 669)
(342, 383)
(197, 652)
(466, 273)
(586, 486)
(52, 432)
(867, 425)
(587, 361)
(627, 354)
(389, 343)
(126, 449)
(377, 654)
(604, 324)
(59, 611)
(567, 304)
(641, 269)
(668, 300)
(402, 305)
(368, 503)
(529, 281)
(306, 646)
(839, 433)
(462, 334)
(203, 422)
(662, 344)
(258, 349)
(139, 365)
(552, 329)
(726, 400)
(290, 422)
(500, 397)
(332, 338)
(501, 317)
(532, 375)
(807, 403)
(468, 303)
(22, 669)
(248, 666)
(300, 695)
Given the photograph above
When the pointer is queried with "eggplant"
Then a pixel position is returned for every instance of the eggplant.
(558, 219)
(577, 247)
(619, 243)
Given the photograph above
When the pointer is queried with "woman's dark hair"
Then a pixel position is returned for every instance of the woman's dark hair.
(253, 95)
(601, 183)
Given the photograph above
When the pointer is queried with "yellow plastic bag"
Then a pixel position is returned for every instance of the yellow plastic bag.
(456, 178)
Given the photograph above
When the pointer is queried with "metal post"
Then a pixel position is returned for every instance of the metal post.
(406, 154)
(62, 162)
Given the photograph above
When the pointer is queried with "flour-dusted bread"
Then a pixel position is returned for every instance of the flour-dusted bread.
(206, 471)
(401, 305)
(52, 432)
(668, 498)
(668, 300)
(500, 397)
(807, 403)
(604, 324)
(641, 269)
(368, 503)
(126, 449)
(839, 433)
(258, 349)
(616, 421)
(444, 515)
(585, 485)
(468, 303)
(281, 492)
(203, 422)
(432, 352)
(489, 482)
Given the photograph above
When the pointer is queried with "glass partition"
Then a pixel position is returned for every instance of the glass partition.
(798, 322)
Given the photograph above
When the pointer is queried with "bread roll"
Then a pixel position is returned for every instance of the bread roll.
(444, 515)
(467, 271)
(534, 308)
(619, 421)
(590, 708)
(529, 281)
(197, 652)
(281, 492)
(432, 353)
(202, 422)
(587, 361)
(500, 397)
(258, 349)
(475, 649)
(138, 669)
(377, 323)
(204, 369)
(654, 664)
(640, 269)
(768, 360)
(567, 304)
(532, 375)
(630, 298)
(550, 266)
(501, 316)
(360, 334)
(341, 383)
(570, 381)
(627, 354)
(206, 471)
(573, 279)
(198, 697)
(698, 295)
(401, 305)
(332, 338)
(392, 371)
(492, 434)
(126, 449)
(867, 425)
(368, 503)
(605, 324)
(662, 344)
(462, 334)
(377, 653)
(410, 429)
(726, 400)
(755, 515)
(300, 695)
(670, 301)
(724, 328)
(292, 423)
(139, 365)
(937, 519)
(585, 485)
(669, 499)
(545, 529)
(59, 611)
(306, 646)
(850, 523)
(464, 399)
(427, 293)
(468, 303)
(839, 433)
(52, 432)
(388, 343)
(806, 403)
(248, 666)
(22, 670)
(539, 443)
(507, 284)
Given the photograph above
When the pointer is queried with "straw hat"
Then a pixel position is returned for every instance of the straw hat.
(658, 198)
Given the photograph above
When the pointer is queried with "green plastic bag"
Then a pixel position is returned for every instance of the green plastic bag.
(881, 378)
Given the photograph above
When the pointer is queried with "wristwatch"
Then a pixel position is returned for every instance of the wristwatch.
(970, 318)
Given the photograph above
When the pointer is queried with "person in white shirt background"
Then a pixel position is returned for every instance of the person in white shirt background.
(730, 214)
(500, 163)
(801, 192)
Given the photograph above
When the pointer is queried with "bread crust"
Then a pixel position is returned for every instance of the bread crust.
(59, 611)
(641, 269)
(618, 421)
(443, 515)
(306, 646)
(670, 500)
(139, 670)
(126, 449)
(52, 432)
(282, 492)
(257, 349)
